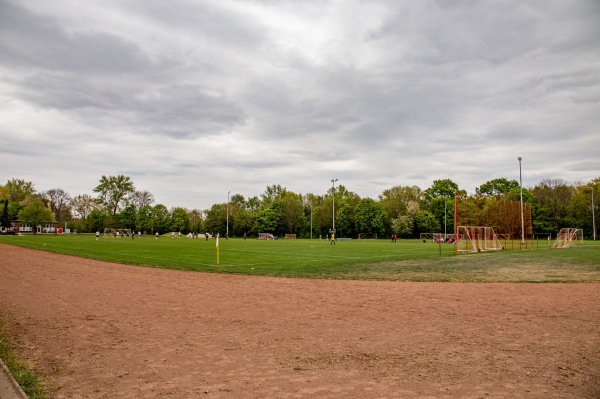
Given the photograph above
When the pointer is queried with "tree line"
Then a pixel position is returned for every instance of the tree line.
(403, 210)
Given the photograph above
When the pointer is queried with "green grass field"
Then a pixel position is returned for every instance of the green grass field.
(406, 260)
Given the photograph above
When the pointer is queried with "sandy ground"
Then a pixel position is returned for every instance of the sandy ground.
(103, 330)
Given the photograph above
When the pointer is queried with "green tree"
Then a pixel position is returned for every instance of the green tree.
(234, 208)
(345, 211)
(216, 219)
(160, 218)
(579, 210)
(552, 197)
(96, 220)
(515, 195)
(244, 221)
(128, 216)
(395, 200)
(404, 225)
(311, 201)
(425, 222)
(440, 189)
(19, 190)
(442, 210)
(145, 219)
(370, 217)
(237, 200)
(179, 220)
(113, 192)
(196, 222)
(253, 204)
(436, 199)
(345, 219)
(497, 187)
(273, 193)
(268, 220)
(13, 210)
(35, 213)
(292, 212)
(5, 220)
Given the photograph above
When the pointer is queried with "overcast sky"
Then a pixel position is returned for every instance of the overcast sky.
(193, 98)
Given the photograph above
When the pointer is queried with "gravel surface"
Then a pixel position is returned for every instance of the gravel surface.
(103, 330)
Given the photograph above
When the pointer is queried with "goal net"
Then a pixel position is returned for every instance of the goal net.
(477, 239)
(367, 236)
(116, 233)
(436, 237)
(568, 236)
(426, 236)
(266, 236)
(442, 237)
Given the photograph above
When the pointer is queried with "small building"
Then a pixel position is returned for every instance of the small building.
(23, 227)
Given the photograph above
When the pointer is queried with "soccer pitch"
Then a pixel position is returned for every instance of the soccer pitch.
(406, 260)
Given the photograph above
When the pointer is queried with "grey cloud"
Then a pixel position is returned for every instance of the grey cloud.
(443, 33)
(175, 110)
(205, 21)
(448, 89)
(33, 40)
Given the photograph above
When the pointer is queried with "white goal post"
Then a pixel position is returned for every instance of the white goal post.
(568, 236)
(477, 239)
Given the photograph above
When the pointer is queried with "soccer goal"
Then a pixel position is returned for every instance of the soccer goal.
(477, 239)
(266, 236)
(426, 237)
(568, 236)
(367, 236)
(116, 233)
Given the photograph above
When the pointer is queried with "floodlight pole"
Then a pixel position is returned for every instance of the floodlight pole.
(445, 219)
(227, 232)
(521, 192)
(333, 201)
(311, 226)
(593, 214)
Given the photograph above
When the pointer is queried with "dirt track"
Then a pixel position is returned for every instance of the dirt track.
(102, 330)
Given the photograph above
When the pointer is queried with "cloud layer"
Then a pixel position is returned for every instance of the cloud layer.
(193, 99)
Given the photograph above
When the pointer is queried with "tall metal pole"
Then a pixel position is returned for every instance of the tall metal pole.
(311, 227)
(445, 219)
(522, 217)
(227, 232)
(333, 201)
(593, 214)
